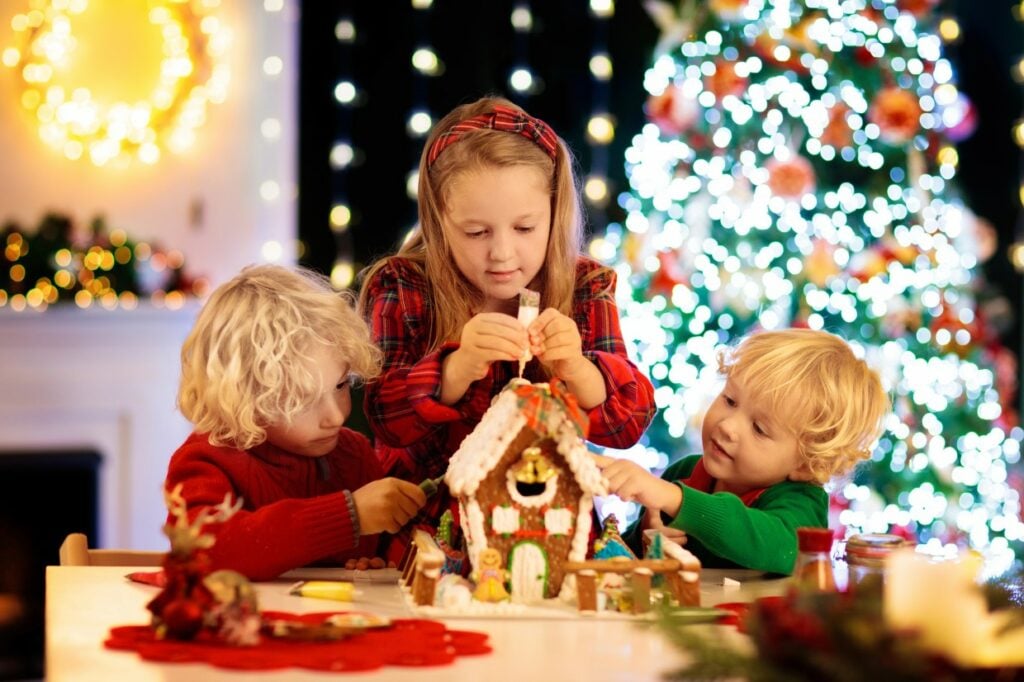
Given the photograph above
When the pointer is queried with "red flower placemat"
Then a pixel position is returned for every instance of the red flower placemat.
(406, 642)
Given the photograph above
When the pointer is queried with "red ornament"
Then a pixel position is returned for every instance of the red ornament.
(897, 113)
(725, 81)
(837, 133)
(673, 111)
(919, 8)
(182, 619)
(790, 179)
(665, 279)
(728, 10)
(950, 321)
(863, 56)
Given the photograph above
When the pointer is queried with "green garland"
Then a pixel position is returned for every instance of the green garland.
(811, 637)
(49, 265)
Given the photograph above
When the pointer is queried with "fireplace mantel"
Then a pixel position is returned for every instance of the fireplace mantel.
(106, 379)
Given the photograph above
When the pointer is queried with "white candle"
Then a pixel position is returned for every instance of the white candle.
(941, 600)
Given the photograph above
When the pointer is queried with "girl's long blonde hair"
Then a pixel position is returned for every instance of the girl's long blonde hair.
(428, 248)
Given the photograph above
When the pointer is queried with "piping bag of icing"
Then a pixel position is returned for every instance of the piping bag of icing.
(529, 309)
(429, 486)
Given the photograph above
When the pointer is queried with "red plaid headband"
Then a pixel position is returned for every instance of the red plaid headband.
(504, 119)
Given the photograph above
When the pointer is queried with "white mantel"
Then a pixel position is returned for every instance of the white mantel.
(106, 379)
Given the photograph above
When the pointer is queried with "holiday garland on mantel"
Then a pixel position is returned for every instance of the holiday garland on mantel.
(55, 263)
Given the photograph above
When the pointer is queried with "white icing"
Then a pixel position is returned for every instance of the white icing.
(558, 521)
(453, 592)
(550, 490)
(568, 592)
(581, 539)
(505, 519)
(473, 529)
(673, 550)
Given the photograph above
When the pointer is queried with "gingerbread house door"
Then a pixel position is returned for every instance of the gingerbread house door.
(528, 572)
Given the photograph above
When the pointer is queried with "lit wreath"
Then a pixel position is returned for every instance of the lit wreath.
(191, 73)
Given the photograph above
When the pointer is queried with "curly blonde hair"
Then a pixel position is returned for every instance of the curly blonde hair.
(428, 247)
(245, 366)
(830, 400)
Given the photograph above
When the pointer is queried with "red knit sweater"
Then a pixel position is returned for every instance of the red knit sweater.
(294, 510)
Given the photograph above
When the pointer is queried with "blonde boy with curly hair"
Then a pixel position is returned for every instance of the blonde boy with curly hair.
(265, 380)
(797, 409)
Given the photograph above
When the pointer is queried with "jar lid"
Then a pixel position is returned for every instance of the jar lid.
(874, 545)
(814, 539)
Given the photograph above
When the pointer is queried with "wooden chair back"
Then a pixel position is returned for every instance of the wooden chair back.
(74, 551)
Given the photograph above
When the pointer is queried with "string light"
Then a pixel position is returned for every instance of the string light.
(601, 125)
(342, 156)
(272, 159)
(521, 79)
(426, 64)
(73, 122)
(1016, 250)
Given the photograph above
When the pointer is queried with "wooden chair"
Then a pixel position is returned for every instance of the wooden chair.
(75, 552)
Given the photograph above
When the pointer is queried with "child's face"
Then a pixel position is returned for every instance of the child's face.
(746, 445)
(497, 224)
(314, 431)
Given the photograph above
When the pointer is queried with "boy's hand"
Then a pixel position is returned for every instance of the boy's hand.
(386, 505)
(487, 337)
(555, 340)
(633, 483)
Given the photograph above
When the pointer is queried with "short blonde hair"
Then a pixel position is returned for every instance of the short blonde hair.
(813, 384)
(428, 247)
(245, 366)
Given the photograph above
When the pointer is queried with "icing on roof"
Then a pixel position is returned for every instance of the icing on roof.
(481, 450)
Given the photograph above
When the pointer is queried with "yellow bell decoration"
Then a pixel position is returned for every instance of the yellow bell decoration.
(534, 467)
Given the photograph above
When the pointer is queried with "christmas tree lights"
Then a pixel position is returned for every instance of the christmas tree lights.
(796, 170)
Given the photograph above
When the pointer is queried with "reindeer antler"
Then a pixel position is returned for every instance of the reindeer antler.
(186, 536)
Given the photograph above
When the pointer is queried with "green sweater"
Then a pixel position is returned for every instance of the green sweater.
(723, 532)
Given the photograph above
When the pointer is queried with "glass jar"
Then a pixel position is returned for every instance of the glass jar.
(865, 560)
(813, 570)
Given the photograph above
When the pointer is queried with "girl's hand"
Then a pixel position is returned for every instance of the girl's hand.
(486, 338)
(386, 505)
(633, 483)
(555, 340)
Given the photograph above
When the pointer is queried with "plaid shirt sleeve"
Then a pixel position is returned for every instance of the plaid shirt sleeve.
(403, 405)
(627, 412)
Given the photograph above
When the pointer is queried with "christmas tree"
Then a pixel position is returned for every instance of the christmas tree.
(798, 170)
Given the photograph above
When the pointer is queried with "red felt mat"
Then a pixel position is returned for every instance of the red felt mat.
(407, 642)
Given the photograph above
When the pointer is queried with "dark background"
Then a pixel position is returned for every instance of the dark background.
(477, 44)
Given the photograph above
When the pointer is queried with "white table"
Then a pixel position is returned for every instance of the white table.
(83, 603)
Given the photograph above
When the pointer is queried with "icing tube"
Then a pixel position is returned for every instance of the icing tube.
(529, 309)
(337, 590)
(429, 486)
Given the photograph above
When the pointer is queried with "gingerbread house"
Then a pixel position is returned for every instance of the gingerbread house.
(526, 484)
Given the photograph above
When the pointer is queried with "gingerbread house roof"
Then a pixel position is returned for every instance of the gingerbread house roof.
(548, 410)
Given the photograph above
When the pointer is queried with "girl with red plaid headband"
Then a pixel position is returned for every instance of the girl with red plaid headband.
(499, 211)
